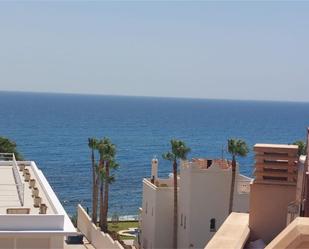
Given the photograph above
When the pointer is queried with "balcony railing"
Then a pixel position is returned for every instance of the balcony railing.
(293, 212)
(10, 159)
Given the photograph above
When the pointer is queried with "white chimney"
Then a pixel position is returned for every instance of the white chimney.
(154, 168)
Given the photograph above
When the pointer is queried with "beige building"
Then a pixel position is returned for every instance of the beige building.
(278, 206)
(275, 187)
(31, 216)
(204, 188)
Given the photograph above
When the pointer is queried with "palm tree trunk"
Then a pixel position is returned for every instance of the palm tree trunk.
(94, 191)
(175, 220)
(101, 182)
(106, 195)
(101, 204)
(232, 184)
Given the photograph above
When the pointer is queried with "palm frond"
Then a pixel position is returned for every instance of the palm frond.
(238, 147)
(92, 143)
(179, 149)
(169, 156)
(302, 147)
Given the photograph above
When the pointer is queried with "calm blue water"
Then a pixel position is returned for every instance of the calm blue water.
(52, 129)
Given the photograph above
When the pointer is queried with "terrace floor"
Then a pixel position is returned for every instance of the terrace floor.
(9, 197)
(8, 192)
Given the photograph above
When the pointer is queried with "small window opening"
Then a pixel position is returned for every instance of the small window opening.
(213, 225)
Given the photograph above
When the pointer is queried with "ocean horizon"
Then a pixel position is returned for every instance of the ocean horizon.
(52, 129)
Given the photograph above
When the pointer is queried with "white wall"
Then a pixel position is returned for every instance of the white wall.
(204, 194)
(32, 242)
(148, 220)
(157, 216)
(241, 200)
(93, 234)
(31, 222)
(164, 218)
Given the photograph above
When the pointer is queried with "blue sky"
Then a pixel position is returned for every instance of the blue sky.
(225, 50)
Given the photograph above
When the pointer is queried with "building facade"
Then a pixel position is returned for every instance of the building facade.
(203, 203)
(277, 217)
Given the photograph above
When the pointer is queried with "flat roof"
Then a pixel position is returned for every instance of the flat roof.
(16, 193)
(9, 197)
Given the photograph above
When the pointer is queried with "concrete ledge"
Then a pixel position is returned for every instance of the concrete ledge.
(295, 235)
(93, 234)
(233, 233)
(26, 222)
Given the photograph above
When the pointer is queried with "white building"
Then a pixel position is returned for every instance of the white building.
(203, 194)
(26, 221)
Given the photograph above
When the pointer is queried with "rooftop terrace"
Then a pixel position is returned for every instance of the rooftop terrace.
(15, 194)
(27, 201)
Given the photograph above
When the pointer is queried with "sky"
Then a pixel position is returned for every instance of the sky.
(217, 50)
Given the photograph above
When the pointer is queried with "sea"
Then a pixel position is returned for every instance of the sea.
(53, 129)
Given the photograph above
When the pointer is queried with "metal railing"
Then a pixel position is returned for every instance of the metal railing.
(293, 211)
(10, 157)
(20, 186)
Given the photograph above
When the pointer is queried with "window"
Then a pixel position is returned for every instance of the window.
(212, 225)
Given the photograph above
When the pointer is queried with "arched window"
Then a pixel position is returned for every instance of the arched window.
(212, 225)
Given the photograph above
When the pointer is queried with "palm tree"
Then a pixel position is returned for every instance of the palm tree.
(101, 173)
(92, 144)
(109, 158)
(236, 147)
(109, 178)
(301, 147)
(179, 152)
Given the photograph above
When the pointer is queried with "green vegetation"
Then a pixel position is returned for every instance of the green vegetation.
(9, 146)
(74, 219)
(179, 152)
(102, 177)
(107, 151)
(122, 225)
(301, 147)
(236, 147)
